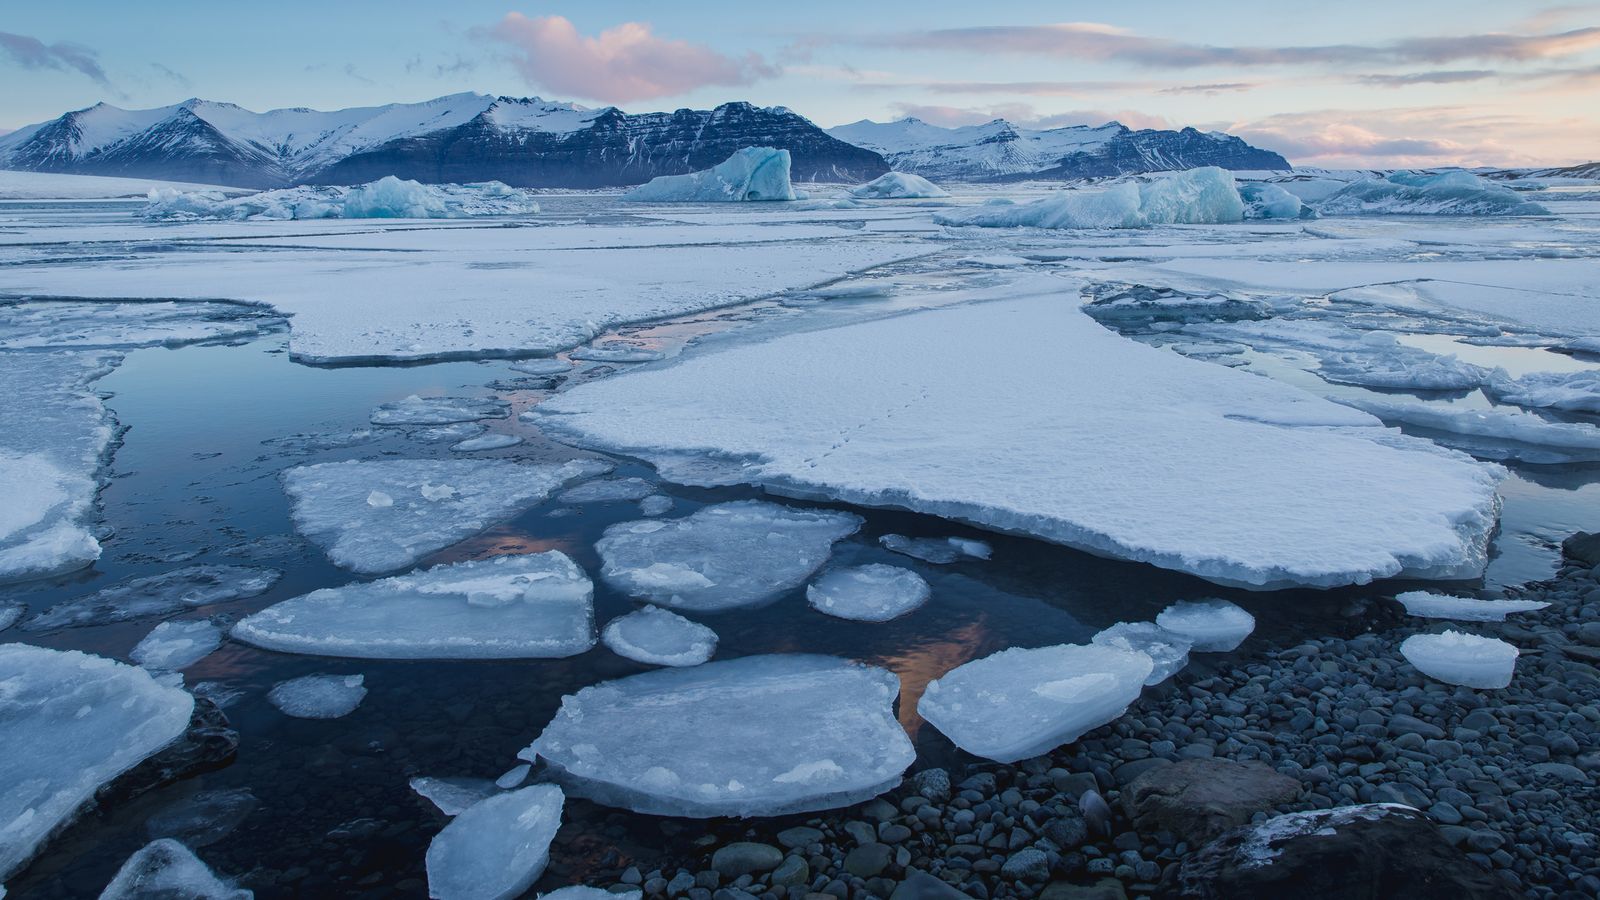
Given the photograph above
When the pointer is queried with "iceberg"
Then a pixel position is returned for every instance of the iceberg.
(1568, 391)
(939, 551)
(415, 410)
(375, 517)
(1205, 196)
(1021, 703)
(497, 848)
(754, 173)
(165, 868)
(1465, 659)
(71, 722)
(762, 735)
(606, 490)
(387, 198)
(171, 646)
(1168, 650)
(1210, 626)
(898, 186)
(149, 596)
(656, 637)
(319, 696)
(869, 593)
(452, 796)
(1463, 609)
(1268, 201)
(1445, 194)
(723, 556)
(529, 606)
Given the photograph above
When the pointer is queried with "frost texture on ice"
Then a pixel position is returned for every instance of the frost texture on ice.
(387, 198)
(757, 736)
(753, 173)
(71, 722)
(319, 696)
(425, 505)
(1020, 703)
(1168, 650)
(607, 490)
(415, 410)
(530, 606)
(1465, 659)
(657, 637)
(898, 186)
(158, 595)
(486, 442)
(1268, 201)
(452, 796)
(1205, 196)
(1211, 626)
(1446, 194)
(497, 848)
(171, 646)
(1463, 609)
(869, 593)
(939, 551)
(1570, 391)
(165, 869)
(723, 556)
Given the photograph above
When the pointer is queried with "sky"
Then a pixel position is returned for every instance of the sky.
(1353, 84)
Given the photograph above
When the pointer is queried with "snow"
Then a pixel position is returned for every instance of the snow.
(318, 696)
(758, 736)
(1446, 194)
(171, 646)
(1257, 849)
(1210, 626)
(432, 504)
(497, 848)
(486, 442)
(607, 490)
(723, 556)
(528, 606)
(452, 796)
(19, 185)
(164, 594)
(898, 186)
(1269, 201)
(1205, 196)
(1464, 609)
(1465, 659)
(1501, 429)
(415, 410)
(1569, 391)
(1176, 462)
(869, 593)
(753, 173)
(387, 198)
(165, 868)
(71, 722)
(1168, 650)
(1020, 703)
(656, 637)
(939, 551)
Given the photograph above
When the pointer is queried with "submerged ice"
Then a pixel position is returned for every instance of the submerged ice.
(414, 410)
(656, 637)
(149, 596)
(1210, 626)
(319, 696)
(387, 198)
(753, 173)
(1168, 650)
(165, 868)
(171, 646)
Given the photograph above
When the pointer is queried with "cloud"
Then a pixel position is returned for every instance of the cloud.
(1416, 136)
(32, 53)
(628, 62)
(172, 76)
(1452, 76)
(1024, 115)
(1224, 87)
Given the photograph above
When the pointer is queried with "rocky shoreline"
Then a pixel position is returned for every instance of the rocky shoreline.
(1143, 807)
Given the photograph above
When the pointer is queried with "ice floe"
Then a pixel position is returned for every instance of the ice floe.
(171, 646)
(1463, 609)
(513, 777)
(757, 736)
(1444, 194)
(460, 431)
(617, 353)
(529, 606)
(164, 869)
(1205, 196)
(753, 173)
(452, 796)
(415, 410)
(497, 848)
(102, 325)
(722, 556)
(542, 366)
(387, 198)
(486, 442)
(897, 186)
(869, 593)
(1569, 391)
(656, 637)
(1494, 433)
(71, 722)
(1020, 703)
(1168, 650)
(158, 595)
(607, 490)
(319, 696)
(583, 892)
(1455, 657)
(421, 505)
(655, 505)
(1210, 626)
(940, 551)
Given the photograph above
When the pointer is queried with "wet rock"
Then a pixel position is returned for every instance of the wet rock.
(868, 860)
(922, 886)
(793, 871)
(1197, 799)
(1026, 865)
(1582, 547)
(209, 744)
(799, 837)
(746, 858)
(1104, 889)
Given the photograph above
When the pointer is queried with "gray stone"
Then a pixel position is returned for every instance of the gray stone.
(799, 837)
(1104, 889)
(1197, 799)
(920, 885)
(1026, 865)
(746, 858)
(933, 784)
(792, 872)
(868, 860)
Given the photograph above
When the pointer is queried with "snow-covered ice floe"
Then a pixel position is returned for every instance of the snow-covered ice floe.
(1210, 626)
(529, 606)
(656, 637)
(149, 596)
(374, 517)
(939, 551)
(1444, 194)
(1463, 609)
(869, 593)
(165, 868)
(1020, 703)
(414, 410)
(98, 325)
(497, 848)
(1168, 650)
(1570, 391)
(898, 186)
(171, 646)
(1455, 657)
(71, 722)
(319, 696)
(387, 198)
(753, 173)
(1205, 196)
(1498, 433)
(1170, 461)
(723, 556)
(758, 736)
(452, 796)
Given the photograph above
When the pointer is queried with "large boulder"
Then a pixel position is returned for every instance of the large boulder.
(1582, 547)
(1375, 851)
(1198, 799)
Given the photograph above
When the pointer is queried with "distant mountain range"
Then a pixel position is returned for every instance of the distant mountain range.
(529, 142)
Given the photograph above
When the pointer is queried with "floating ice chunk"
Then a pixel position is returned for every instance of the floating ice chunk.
(898, 186)
(542, 366)
(1499, 429)
(653, 505)
(1168, 650)
(657, 637)
(757, 736)
(1572, 391)
(1020, 703)
(387, 198)
(167, 869)
(497, 848)
(158, 595)
(318, 696)
(71, 722)
(1463, 609)
(1268, 201)
(1447, 194)
(1205, 196)
(513, 777)
(486, 442)
(436, 504)
(460, 431)
(583, 892)
(1211, 626)
(722, 556)
(177, 645)
(754, 173)
(1465, 659)
(452, 796)
(307, 442)
(9, 614)
(415, 410)
(870, 593)
(618, 353)
(529, 606)
(607, 490)
(940, 551)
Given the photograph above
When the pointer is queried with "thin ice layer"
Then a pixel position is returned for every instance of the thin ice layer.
(497, 848)
(165, 868)
(1210, 626)
(171, 646)
(149, 596)
(414, 410)
(1569, 391)
(530, 606)
(452, 796)
(384, 515)
(1168, 650)
(757, 736)
(869, 593)
(656, 637)
(753, 173)
(319, 696)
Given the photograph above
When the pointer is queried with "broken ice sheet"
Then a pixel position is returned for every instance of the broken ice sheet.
(656, 637)
(158, 595)
(869, 593)
(452, 796)
(496, 848)
(165, 868)
(171, 646)
(415, 410)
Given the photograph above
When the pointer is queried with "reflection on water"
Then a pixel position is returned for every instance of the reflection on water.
(917, 665)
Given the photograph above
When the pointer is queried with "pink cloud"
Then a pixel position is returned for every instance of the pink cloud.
(628, 62)
(1418, 136)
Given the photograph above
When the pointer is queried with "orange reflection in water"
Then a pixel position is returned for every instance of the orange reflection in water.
(919, 665)
(502, 540)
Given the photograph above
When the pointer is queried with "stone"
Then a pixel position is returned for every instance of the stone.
(920, 885)
(933, 784)
(868, 860)
(1583, 547)
(1197, 799)
(746, 858)
(799, 837)
(793, 871)
(1104, 889)
(1026, 865)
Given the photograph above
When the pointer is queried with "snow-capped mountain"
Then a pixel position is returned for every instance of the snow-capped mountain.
(1000, 151)
(526, 142)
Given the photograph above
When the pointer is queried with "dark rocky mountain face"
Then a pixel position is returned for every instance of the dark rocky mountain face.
(1151, 150)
